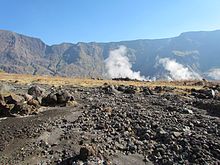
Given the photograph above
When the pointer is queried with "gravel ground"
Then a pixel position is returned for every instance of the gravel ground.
(116, 125)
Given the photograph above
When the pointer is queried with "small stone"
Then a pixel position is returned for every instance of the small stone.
(186, 110)
(119, 146)
(71, 103)
(177, 134)
(162, 131)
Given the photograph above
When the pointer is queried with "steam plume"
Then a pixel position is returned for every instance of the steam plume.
(177, 71)
(118, 65)
(214, 73)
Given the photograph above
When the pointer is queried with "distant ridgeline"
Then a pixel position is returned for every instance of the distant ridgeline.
(191, 55)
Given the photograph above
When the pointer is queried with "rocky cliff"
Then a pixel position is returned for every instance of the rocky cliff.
(196, 52)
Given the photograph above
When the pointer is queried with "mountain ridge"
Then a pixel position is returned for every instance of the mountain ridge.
(197, 51)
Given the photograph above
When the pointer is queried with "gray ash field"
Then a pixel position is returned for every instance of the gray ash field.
(110, 124)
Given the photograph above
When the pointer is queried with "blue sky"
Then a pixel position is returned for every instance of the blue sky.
(56, 21)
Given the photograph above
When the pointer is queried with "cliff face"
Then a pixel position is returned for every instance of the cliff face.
(21, 54)
(199, 51)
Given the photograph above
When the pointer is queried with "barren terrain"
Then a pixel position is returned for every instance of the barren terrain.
(108, 122)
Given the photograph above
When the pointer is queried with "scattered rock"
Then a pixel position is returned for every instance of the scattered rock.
(186, 110)
(5, 109)
(34, 103)
(61, 97)
(110, 89)
(13, 99)
(36, 91)
(86, 152)
(27, 97)
(177, 134)
(158, 89)
(147, 91)
(160, 127)
(203, 93)
(23, 109)
(130, 90)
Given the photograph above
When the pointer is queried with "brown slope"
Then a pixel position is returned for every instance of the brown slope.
(22, 54)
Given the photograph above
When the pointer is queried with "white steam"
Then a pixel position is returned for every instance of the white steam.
(214, 73)
(178, 71)
(118, 65)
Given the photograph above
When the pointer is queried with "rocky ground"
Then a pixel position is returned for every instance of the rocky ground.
(42, 124)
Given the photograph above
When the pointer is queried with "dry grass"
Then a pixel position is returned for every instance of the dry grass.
(86, 82)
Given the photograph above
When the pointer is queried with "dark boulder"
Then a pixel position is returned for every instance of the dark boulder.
(35, 91)
(13, 105)
(34, 103)
(168, 88)
(211, 106)
(147, 91)
(158, 89)
(61, 97)
(121, 88)
(110, 89)
(13, 99)
(5, 109)
(87, 151)
(130, 90)
(23, 109)
(203, 93)
(27, 97)
(50, 99)
(124, 79)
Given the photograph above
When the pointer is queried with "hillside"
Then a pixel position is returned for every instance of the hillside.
(195, 53)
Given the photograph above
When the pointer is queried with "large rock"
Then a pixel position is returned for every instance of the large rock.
(203, 93)
(130, 90)
(87, 151)
(34, 103)
(13, 105)
(23, 109)
(8, 102)
(61, 97)
(121, 88)
(50, 99)
(147, 91)
(158, 89)
(27, 97)
(36, 91)
(5, 109)
(211, 106)
(110, 89)
(13, 99)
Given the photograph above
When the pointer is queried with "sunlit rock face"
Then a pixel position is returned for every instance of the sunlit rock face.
(194, 54)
